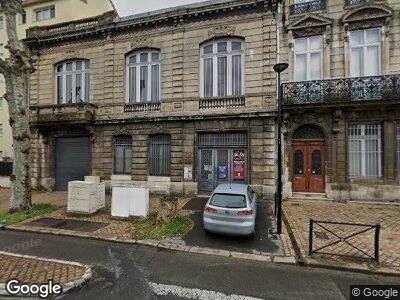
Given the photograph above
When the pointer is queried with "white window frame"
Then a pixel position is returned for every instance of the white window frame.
(364, 46)
(85, 70)
(42, 10)
(215, 55)
(308, 53)
(363, 152)
(138, 66)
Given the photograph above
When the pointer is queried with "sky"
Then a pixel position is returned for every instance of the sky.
(131, 7)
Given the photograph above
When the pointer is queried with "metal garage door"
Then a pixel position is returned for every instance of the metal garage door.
(72, 160)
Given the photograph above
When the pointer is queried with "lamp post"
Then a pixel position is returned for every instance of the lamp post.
(279, 68)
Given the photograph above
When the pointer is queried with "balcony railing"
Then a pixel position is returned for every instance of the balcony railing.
(226, 102)
(309, 6)
(343, 90)
(356, 2)
(62, 113)
(142, 107)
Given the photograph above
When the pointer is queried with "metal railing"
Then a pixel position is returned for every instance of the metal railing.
(307, 7)
(6, 168)
(356, 2)
(142, 107)
(342, 237)
(225, 102)
(340, 90)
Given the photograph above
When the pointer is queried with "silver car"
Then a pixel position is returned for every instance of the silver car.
(231, 209)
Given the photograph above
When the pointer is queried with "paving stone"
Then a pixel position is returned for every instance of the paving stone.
(249, 256)
(201, 250)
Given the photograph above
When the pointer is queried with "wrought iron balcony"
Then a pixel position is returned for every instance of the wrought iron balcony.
(222, 102)
(142, 107)
(308, 6)
(82, 113)
(357, 2)
(343, 90)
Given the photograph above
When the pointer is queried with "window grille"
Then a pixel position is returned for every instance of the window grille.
(160, 155)
(365, 151)
(123, 155)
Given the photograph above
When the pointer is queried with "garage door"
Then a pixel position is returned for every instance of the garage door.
(72, 160)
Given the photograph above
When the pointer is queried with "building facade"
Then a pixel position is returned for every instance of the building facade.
(178, 100)
(341, 99)
(41, 13)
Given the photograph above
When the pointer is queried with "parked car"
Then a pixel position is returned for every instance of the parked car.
(231, 209)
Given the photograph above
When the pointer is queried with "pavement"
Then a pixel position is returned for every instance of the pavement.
(298, 214)
(122, 271)
(264, 241)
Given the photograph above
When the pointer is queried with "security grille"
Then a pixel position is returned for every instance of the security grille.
(228, 139)
(398, 150)
(160, 155)
(365, 151)
(123, 154)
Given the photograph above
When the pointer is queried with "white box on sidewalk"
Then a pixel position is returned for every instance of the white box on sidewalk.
(82, 197)
(129, 201)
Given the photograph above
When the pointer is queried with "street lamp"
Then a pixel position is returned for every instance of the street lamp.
(279, 68)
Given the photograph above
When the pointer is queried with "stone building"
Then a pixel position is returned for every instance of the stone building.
(179, 99)
(341, 99)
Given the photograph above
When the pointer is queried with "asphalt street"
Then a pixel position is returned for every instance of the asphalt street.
(137, 272)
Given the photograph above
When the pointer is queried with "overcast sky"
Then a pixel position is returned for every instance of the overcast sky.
(131, 7)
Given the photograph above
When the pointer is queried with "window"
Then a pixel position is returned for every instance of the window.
(228, 201)
(308, 58)
(222, 68)
(1, 130)
(23, 18)
(365, 52)
(298, 162)
(73, 81)
(143, 76)
(365, 151)
(1, 103)
(160, 155)
(398, 150)
(45, 13)
(1, 23)
(123, 155)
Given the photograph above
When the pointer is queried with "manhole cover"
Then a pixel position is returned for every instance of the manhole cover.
(75, 225)
(321, 235)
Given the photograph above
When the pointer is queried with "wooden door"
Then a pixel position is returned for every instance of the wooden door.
(308, 161)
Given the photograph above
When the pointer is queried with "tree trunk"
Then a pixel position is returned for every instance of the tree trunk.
(16, 70)
(19, 121)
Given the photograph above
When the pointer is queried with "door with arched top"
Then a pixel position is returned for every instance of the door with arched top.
(308, 160)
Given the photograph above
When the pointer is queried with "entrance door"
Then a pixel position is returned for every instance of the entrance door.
(308, 171)
(72, 160)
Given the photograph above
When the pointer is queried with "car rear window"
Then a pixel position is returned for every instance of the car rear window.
(228, 200)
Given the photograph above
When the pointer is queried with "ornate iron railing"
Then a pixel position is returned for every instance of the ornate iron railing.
(309, 6)
(226, 102)
(343, 90)
(339, 239)
(356, 2)
(142, 107)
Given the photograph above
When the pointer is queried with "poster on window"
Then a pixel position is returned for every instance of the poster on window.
(222, 172)
(238, 155)
(238, 170)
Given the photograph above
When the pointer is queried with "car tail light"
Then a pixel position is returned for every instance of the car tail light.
(211, 210)
(243, 213)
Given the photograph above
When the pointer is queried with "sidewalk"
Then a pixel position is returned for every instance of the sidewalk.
(30, 269)
(298, 214)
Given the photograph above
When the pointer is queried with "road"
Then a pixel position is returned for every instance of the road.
(137, 272)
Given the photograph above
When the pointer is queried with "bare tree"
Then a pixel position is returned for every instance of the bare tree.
(16, 70)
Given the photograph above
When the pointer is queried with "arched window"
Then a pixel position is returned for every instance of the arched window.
(222, 68)
(73, 81)
(143, 76)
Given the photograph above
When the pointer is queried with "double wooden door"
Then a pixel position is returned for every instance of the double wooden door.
(308, 166)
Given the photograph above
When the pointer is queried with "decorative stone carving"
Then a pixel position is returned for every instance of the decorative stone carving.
(141, 42)
(309, 21)
(221, 30)
(123, 130)
(158, 129)
(368, 13)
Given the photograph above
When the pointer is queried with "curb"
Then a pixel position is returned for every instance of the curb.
(66, 287)
(260, 256)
